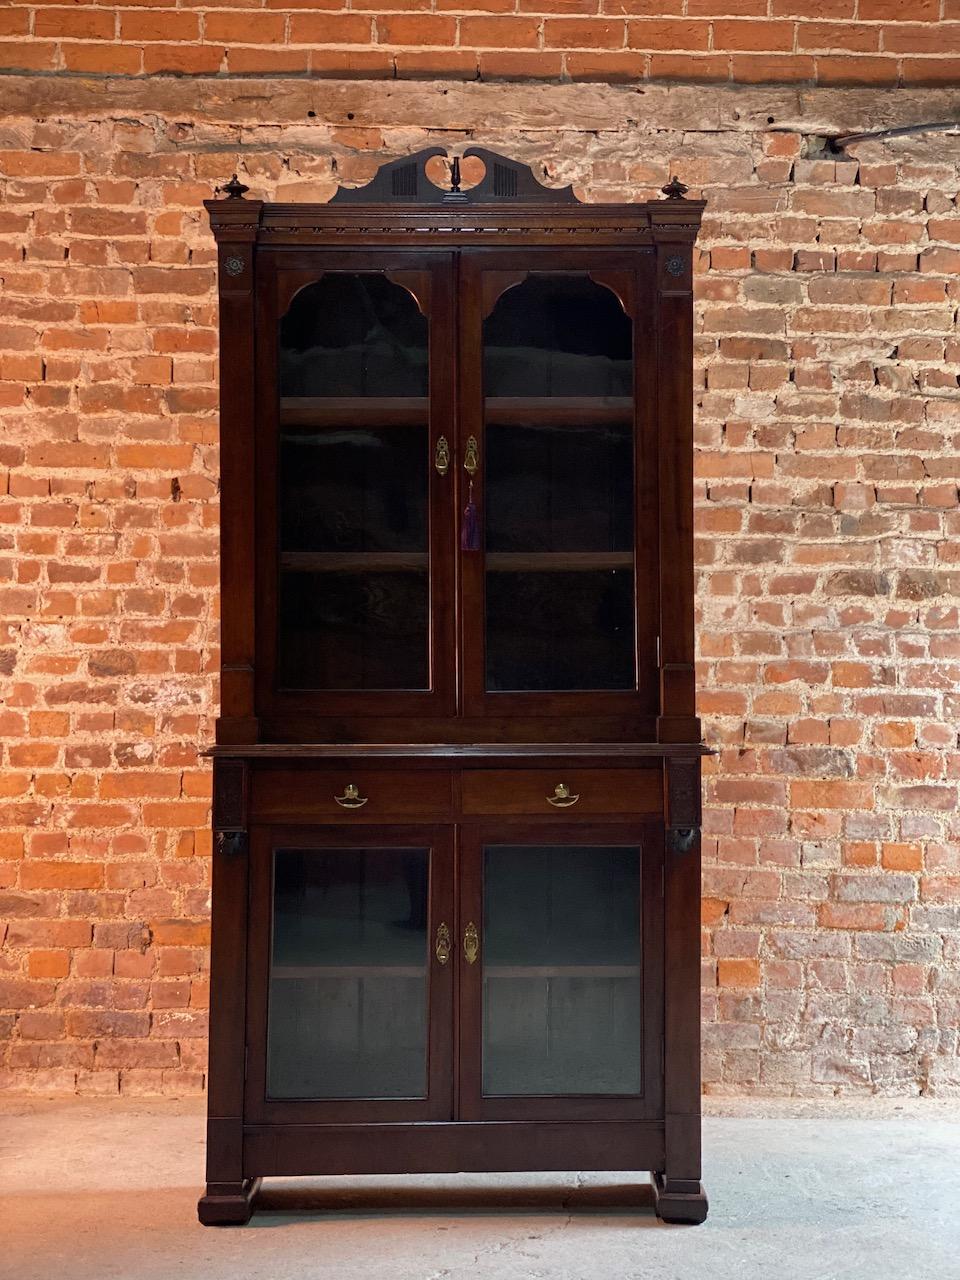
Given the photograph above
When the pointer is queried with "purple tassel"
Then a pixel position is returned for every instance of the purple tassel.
(470, 529)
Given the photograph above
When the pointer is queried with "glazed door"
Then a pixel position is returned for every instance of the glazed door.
(561, 1002)
(355, 445)
(350, 974)
(558, 483)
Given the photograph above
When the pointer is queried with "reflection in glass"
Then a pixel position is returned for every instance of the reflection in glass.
(559, 488)
(559, 630)
(558, 335)
(353, 334)
(353, 488)
(561, 970)
(348, 974)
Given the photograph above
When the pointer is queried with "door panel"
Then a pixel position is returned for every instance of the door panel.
(350, 979)
(556, 354)
(561, 1004)
(355, 529)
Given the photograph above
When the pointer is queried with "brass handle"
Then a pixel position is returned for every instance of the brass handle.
(351, 798)
(441, 459)
(561, 798)
(471, 943)
(471, 459)
(443, 944)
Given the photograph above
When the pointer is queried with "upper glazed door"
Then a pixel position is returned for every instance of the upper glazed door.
(558, 482)
(356, 518)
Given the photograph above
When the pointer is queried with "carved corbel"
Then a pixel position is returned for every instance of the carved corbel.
(230, 786)
(683, 803)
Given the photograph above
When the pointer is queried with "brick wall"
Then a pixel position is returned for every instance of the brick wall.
(877, 42)
(828, 432)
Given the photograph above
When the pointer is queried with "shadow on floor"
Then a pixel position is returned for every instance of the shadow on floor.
(379, 1201)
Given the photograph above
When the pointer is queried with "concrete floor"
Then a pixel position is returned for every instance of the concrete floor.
(95, 1190)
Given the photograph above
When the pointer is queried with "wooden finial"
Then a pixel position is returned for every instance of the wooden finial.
(455, 174)
(235, 189)
(675, 189)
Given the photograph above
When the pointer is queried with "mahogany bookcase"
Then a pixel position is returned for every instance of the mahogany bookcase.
(456, 867)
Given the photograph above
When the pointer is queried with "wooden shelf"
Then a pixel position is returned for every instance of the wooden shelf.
(490, 971)
(558, 410)
(562, 971)
(402, 411)
(354, 411)
(354, 561)
(556, 561)
(348, 971)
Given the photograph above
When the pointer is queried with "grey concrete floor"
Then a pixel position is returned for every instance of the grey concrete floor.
(99, 1189)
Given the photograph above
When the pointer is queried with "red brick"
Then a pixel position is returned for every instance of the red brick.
(330, 29)
(243, 28)
(672, 34)
(867, 916)
(61, 875)
(500, 33)
(583, 33)
(74, 24)
(159, 24)
(857, 70)
(765, 36)
(738, 973)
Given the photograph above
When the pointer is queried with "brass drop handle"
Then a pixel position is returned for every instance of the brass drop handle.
(351, 798)
(471, 943)
(562, 798)
(441, 458)
(442, 946)
(471, 457)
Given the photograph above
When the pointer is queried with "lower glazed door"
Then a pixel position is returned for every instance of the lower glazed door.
(561, 1005)
(350, 975)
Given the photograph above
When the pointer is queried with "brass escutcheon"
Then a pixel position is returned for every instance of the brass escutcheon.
(471, 459)
(441, 459)
(471, 943)
(351, 798)
(562, 798)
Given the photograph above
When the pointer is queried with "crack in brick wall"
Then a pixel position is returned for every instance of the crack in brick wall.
(827, 467)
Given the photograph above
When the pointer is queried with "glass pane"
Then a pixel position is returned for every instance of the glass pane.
(353, 488)
(348, 974)
(561, 970)
(353, 334)
(559, 488)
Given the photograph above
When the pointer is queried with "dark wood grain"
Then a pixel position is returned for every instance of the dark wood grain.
(452, 766)
(599, 792)
(682, 985)
(678, 722)
(467, 751)
(227, 1036)
(488, 1146)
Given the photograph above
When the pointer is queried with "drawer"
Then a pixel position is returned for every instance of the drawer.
(350, 795)
(562, 792)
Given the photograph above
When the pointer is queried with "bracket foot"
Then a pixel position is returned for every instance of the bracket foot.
(679, 1199)
(228, 1204)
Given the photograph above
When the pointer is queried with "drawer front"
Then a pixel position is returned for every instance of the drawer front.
(562, 792)
(350, 795)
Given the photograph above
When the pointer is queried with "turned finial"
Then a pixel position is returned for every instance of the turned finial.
(234, 189)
